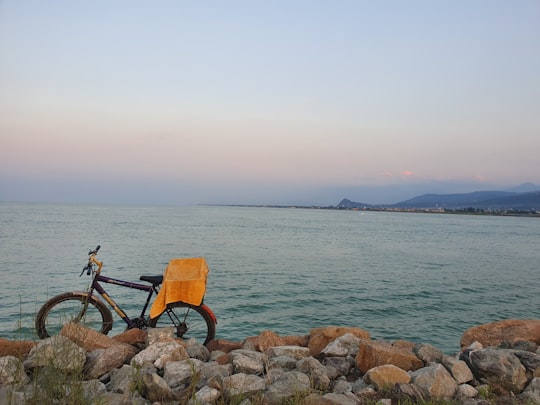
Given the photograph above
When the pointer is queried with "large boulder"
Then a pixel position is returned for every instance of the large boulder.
(500, 367)
(373, 353)
(320, 337)
(505, 331)
(386, 377)
(435, 382)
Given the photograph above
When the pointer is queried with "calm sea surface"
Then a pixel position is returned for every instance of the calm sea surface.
(420, 277)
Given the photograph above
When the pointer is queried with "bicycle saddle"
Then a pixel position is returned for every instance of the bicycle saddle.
(154, 280)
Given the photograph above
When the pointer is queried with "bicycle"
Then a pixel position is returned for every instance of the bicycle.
(189, 321)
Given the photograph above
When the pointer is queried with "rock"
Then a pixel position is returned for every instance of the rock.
(409, 391)
(132, 337)
(265, 340)
(316, 371)
(178, 373)
(287, 386)
(196, 350)
(428, 353)
(159, 353)
(205, 395)
(342, 346)
(283, 362)
(459, 370)
(510, 330)
(17, 348)
(386, 377)
(531, 361)
(500, 367)
(532, 391)
(434, 382)
(225, 346)
(12, 371)
(101, 361)
(57, 352)
(333, 398)
(153, 387)
(248, 362)
(154, 335)
(89, 339)
(121, 380)
(242, 384)
(320, 337)
(373, 353)
(465, 391)
(341, 365)
(296, 352)
(93, 390)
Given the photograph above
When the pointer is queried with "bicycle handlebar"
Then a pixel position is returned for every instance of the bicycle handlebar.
(92, 259)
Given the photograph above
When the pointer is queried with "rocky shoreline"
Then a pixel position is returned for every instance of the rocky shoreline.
(498, 363)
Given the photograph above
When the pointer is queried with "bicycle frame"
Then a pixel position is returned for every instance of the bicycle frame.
(151, 289)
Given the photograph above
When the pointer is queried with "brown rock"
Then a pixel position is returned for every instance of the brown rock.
(373, 353)
(90, 339)
(301, 341)
(223, 345)
(131, 337)
(387, 376)
(509, 330)
(15, 348)
(320, 337)
(265, 340)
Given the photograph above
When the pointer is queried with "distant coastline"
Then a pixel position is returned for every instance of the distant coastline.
(457, 211)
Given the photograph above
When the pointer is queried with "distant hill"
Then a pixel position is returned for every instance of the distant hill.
(487, 200)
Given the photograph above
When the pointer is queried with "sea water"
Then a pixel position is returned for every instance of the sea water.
(425, 278)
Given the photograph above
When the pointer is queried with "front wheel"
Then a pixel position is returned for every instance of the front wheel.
(189, 321)
(76, 307)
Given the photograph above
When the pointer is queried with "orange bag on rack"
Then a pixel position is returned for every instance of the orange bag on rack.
(184, 280)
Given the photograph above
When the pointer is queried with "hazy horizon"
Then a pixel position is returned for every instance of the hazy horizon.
(306, 102)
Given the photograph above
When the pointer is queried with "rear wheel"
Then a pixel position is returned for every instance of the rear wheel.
(72, 307)
(189, 321)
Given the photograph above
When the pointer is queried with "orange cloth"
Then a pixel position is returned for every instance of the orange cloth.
(184, 280)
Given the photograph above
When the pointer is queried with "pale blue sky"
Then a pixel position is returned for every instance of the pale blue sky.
(266, 102)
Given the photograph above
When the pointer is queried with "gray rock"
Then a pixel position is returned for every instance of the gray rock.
(57, 352)
(428, 353)
(295, 352)
(316, 371)
(93, 390)
(242, 384)
(196, 350)
(12, 371)
(499, 367)
(434, 382)
(345, 345)
(287, 386)
(205, 396)
(466, 391)
(101, 361)
(122, 380)
(284, 362)
(532, 391)
(342, 365)
(154, 388)
(160, 353)
(177, 373)
(333, 398)
(248, 362)
(459, 370)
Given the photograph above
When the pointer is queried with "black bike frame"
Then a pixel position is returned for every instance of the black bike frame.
(151, 289)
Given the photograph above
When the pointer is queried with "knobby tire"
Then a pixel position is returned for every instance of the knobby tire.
(190, 321)
(49, 310)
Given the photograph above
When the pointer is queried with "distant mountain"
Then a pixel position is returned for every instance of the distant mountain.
(487, 200)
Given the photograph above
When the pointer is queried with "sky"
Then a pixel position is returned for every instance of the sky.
(277, 102)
